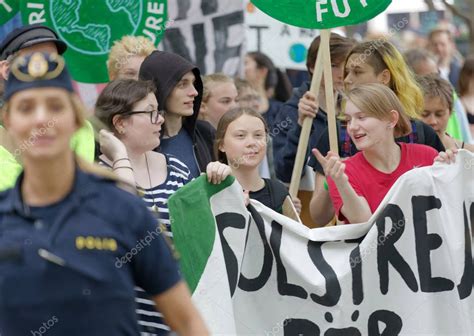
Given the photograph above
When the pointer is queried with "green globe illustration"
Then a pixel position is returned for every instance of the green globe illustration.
(90, 27)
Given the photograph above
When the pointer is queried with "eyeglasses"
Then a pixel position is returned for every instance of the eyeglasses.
(154, 115)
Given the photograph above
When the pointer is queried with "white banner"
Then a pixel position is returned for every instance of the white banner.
(210, 33)
(408, 271)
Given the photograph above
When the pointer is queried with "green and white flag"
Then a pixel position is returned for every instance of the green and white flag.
(407, 271)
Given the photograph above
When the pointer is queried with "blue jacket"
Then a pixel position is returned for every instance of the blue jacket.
(272, 113)
(286, 133)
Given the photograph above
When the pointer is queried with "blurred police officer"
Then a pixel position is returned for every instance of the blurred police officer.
(72, 244)
(28, 39)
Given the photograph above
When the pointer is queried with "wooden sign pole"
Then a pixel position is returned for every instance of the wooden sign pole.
(330, 103)
(306, 128)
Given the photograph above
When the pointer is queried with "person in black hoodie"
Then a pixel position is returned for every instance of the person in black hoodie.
(179, 91)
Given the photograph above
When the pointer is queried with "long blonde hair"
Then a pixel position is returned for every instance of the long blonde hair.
(79, 112)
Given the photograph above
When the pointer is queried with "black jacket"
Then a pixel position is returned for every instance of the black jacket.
(166, 70)
(286, 131)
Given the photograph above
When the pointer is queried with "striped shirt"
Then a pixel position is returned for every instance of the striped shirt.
(156, 198)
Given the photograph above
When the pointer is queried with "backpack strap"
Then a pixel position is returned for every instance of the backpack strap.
(417, 134)
(420, 132)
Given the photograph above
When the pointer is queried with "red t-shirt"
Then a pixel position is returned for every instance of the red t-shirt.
(373, 184)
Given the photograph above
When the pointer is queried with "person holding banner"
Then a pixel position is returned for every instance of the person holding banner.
(374, 117)
(241, 142)
(380, 62)
(65, 257)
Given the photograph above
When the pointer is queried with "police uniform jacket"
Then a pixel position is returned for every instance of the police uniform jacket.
(70, 268)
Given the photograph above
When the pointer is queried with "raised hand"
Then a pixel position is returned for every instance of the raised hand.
(333, 166)
(111, 146)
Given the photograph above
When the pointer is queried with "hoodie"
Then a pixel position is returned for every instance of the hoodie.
(166, 70)
(286, 132)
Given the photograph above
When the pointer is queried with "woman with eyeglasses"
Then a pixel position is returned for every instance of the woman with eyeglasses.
(129, 109)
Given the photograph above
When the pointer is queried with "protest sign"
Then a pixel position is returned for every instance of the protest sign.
(209, 33)
(89, 28)
(322, 14)
(8, 9)
(407, 271)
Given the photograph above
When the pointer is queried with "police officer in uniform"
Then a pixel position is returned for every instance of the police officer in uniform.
(38, 38)
(72, 244)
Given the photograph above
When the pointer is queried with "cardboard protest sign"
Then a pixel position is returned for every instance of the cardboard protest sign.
(407, 271)
(90, 27)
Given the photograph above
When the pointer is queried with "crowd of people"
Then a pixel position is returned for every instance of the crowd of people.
(73, 193)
